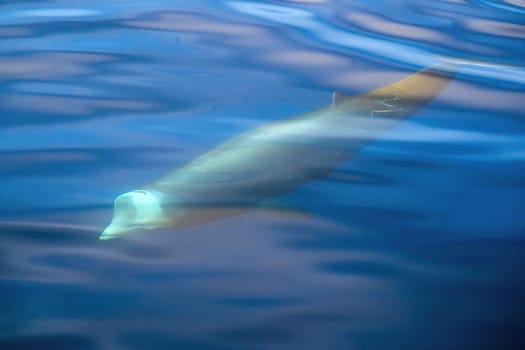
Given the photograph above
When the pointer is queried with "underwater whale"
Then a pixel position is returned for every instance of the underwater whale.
(249, 170)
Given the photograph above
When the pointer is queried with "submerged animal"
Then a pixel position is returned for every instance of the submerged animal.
(251, 169)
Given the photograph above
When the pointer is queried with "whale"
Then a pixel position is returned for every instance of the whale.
(254, 168)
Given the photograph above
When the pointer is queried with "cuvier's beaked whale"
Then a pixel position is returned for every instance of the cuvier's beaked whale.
(250, 169)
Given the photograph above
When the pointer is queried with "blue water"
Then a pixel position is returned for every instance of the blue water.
(417, 243)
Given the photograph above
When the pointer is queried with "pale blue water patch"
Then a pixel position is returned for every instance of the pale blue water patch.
(59, 12)
(385, 49)
(417, 242)
(81, 10)
(512, 5)
(61, 89)
(306, 21)
(46, 13)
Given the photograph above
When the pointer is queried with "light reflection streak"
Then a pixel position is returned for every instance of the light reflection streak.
(369, 46)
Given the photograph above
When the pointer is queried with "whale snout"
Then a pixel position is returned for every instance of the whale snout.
(112, 231)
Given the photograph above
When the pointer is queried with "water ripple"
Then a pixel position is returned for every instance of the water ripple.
(416, 242)
(49, 341)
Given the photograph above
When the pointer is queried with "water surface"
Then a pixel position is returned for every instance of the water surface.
(417, 243)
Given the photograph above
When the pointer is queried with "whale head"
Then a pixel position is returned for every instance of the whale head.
(137, 210)
(149, 210)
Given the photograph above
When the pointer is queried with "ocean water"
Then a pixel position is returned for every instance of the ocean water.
(418, 242)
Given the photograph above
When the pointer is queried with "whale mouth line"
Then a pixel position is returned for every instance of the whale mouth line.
(114, 232)
(107, 234)
(105, 237)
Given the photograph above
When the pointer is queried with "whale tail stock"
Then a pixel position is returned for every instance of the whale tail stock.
(406, 96)
(416, 90)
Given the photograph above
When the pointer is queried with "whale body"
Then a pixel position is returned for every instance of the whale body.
(256, 166)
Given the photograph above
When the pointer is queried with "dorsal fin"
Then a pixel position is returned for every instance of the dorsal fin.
(339, 97)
